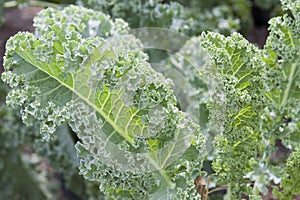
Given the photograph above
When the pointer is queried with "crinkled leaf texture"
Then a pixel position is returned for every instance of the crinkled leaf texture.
(283, 58)
(236, 104)
(184, 17)
(290, 181)
(16, 173)
(23, 152)
(282, 54)
(83, 68)
(254, 101)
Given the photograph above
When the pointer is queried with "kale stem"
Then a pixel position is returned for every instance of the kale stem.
(228, 196)
(166, 178)
(224, 187)
(287, 91)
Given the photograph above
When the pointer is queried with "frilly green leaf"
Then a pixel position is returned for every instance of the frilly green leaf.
(82, 68)
(282, 56)
(290, 180)
(236, 103)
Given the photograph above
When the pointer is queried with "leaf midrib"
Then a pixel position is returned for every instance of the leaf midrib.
(123, 133)
(288, 88)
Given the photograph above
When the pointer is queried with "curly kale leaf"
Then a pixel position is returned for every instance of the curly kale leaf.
(236, 103)
(23, 159)
(290, 180)
(282, 56)
(82, 68)
(15, 171)
(220, 15)
(173, 15)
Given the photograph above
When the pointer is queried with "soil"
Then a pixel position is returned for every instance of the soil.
(258, 36)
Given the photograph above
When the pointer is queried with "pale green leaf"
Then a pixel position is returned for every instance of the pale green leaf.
(131, 133)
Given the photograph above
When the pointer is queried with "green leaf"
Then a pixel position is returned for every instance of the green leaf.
(282, 56)
(224, 17)
(290, 180)
(283, 52)
(71, 71)
(236, 89)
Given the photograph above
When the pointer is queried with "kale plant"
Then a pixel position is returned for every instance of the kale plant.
(181, 16)
(141, 135)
